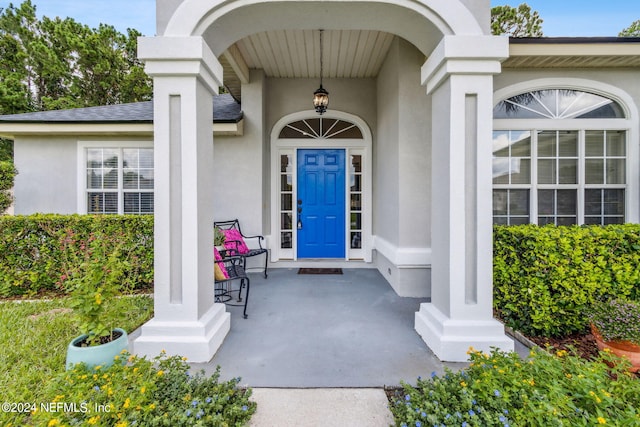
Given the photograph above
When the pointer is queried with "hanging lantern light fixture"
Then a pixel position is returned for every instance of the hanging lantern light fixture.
(321, 96)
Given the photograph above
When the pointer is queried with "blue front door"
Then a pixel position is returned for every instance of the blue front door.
(320, 204)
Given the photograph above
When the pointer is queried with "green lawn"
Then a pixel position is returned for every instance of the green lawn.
(34, 338)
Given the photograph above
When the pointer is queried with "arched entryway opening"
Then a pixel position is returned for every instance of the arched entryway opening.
(458, 78)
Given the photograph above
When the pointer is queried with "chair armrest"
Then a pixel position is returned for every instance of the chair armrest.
(260, 239)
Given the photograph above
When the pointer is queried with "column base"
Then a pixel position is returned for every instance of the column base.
(450, 339)
(198, 341)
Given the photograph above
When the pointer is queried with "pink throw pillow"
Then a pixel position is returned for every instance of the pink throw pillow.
(234, 234)
(218, 257)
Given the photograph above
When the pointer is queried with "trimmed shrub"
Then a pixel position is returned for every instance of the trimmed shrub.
(546, 278)
(502, 389)
(34, 249)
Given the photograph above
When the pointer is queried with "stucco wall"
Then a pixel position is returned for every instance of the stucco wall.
(386, 179)
(47, 181)
(354, 96)
(402, 172)
(238, 163)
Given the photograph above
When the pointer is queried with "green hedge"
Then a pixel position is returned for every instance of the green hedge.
(32, 249)
(545, 278)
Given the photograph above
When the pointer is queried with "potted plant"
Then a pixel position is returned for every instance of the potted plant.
(218, 238)
(615, 324)
(95, 271)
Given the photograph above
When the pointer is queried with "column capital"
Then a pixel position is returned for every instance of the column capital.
(181, 57)
(464, 55)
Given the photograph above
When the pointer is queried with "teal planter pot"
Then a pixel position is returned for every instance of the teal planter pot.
(99, 355)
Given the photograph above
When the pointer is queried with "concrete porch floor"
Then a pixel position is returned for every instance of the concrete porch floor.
(305, 331)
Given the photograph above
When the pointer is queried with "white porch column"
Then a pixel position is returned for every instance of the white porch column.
(459, 75)
(187, 322)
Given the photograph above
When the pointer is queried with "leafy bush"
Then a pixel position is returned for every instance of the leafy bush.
(501, 389)
(137, 391)
(7, 174)
(34, 255)
(546, 278)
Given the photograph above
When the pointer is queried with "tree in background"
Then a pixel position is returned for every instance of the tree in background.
(518, 21)
(632, 31)
(59, 63)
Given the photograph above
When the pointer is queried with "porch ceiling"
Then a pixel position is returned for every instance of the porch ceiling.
(296, 54)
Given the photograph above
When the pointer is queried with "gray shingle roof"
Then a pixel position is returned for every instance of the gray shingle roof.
(225, 110)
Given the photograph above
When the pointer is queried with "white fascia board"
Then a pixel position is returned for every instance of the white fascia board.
(11, 130)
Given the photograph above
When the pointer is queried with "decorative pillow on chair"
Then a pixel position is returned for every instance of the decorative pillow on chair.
(234, 234)
(219, 270)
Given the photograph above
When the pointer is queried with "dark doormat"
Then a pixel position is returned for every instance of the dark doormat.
(320, 271)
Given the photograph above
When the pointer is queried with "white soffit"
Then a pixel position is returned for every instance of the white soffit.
(573, 55)
(296, 53)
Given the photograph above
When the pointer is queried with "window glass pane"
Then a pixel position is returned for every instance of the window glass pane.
(130, 179)
(566, 220)
(520, 143)
(594, 143)
(544, 220)
(520, 171)
(356, 202)
(286, 221)
(614, 202)
(285, 163)
(286, 202)
(146, 158)
(613, 220)
(99, 203)
(519, 220)
(616, 143)
(519, 202)
(546, 204)
(501, 144)
(94, 178)
(500, 220)
(546, 171)
(146, 203)
(286, 240)
(356, 183)
(285, 183)
(500, 200)
(592, 220)
(501, 167)
(356, 163)
(547, 144)
(146, 178)
(356, 221)
(566, 202)
(568, 171)
(616, 171)
(568, 144)
(594, 171)
(593, 202)
(356, 240)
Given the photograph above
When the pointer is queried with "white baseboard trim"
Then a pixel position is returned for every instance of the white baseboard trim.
(402, 257)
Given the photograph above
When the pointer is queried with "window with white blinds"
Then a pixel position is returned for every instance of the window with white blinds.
(119, 180)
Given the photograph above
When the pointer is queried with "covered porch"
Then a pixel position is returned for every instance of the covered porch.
(423, 152)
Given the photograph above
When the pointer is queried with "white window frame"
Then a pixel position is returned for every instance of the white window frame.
(82, 189)
(630, 125)
(290, 146)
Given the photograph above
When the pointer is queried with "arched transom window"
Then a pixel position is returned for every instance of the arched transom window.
(558, 104)
(321, 128)
(550, 166)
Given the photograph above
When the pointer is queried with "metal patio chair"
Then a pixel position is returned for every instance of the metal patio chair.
(235, 247)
